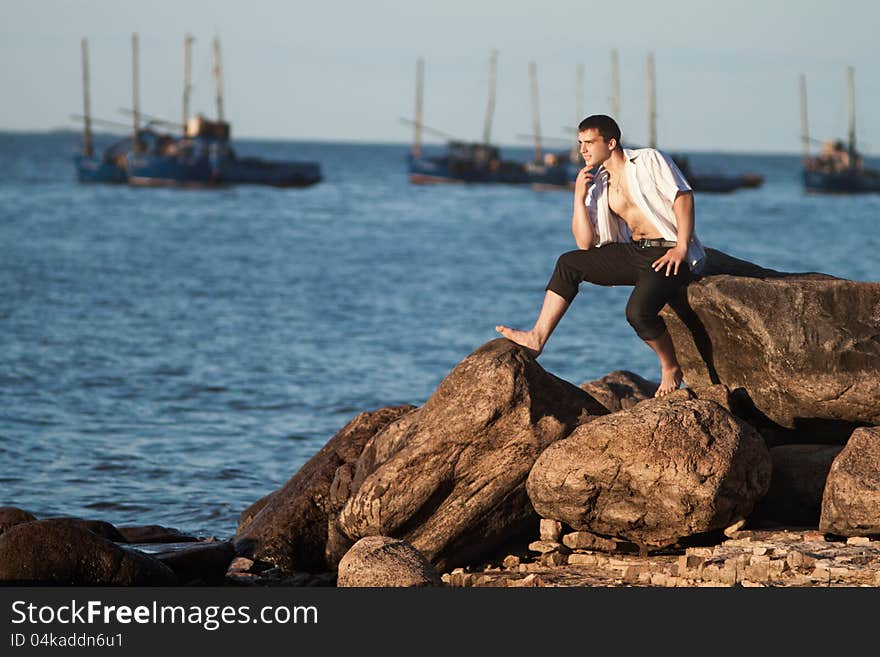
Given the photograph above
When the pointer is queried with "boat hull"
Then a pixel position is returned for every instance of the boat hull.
(445, 169)
(93, 169)
(842, 182)
(253, 171)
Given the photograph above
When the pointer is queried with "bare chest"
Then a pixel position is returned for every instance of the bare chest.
(620, 202)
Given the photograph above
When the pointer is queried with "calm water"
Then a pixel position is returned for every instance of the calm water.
(171, 356)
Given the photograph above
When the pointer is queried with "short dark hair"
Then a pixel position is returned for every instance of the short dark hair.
(605, 125)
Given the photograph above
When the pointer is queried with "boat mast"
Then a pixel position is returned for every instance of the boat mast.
(805, 130)
(652, 104)
(87, 136)
(187, 47)
(615, 87)
(490, 108)
(417, 124)
(851, 95)
(218, 78)
(135, 100)
(536, 120)
(579, 103)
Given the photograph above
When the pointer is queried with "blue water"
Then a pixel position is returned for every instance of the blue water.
(171, 356)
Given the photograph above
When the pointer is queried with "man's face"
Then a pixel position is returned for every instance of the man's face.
(594, 149)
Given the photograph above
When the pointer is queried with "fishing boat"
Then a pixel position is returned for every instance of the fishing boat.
(203, 157)
(463, 161)
(839, 168)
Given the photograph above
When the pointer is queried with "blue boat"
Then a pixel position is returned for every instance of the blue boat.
(204, 157)
(838, 168)
(466, 162)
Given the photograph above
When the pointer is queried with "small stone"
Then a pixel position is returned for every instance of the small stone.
(554, 559)
(759, 550)
(239, 565)
(814, 536)
(551, 530)
(531, 580)
(734, 527)
(588, 541)
(579, 559)
(858, 540)
(746, 583)
(510, 561)
(545, 546)
(699, 552)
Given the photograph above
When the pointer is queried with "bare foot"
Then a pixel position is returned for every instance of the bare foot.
(670, 381)
(525, 339)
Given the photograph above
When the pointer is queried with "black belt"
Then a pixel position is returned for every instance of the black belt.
(645, 243)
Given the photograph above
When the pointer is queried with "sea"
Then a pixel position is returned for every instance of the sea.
(171, 356)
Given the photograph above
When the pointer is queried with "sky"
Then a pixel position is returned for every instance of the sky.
(727, 73)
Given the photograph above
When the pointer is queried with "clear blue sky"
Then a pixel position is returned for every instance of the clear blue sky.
(727, 73)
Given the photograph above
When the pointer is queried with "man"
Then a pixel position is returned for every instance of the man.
(633, 223)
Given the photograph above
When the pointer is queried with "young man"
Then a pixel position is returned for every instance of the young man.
(633, 223)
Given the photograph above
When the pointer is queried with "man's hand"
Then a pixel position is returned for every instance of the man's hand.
(582, 183)
(671, 260)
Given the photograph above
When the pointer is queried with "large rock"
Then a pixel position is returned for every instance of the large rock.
(99, 527)
(453, 485)
(620, 390)
(662, 471)
(797, 484)
(804, 347)
(383, 561)
(11, 516)
(290, 529)
(851, 503)
(199, 564)
(56, 553)
(348, 480)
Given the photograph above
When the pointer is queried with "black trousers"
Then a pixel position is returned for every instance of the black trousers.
(623, 263)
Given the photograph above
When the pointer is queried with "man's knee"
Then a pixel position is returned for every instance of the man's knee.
(647, 326)
(566, 276)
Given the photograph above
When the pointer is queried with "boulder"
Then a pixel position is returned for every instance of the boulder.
(347, 481)
(154, 534)
(98, 527)
(384, 561)
(797, 484)
(805, 348)
(453, 484)
(665, 470)
(10, 516)
(290, 529)
(199, 564)
(851, 502)
(619, 390)
(47, 552)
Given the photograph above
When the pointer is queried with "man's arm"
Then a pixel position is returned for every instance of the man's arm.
(581, 226)
(683, 208)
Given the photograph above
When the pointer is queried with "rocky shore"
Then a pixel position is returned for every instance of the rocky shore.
(764, 471)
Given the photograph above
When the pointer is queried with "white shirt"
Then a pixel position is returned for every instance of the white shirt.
(654, 181)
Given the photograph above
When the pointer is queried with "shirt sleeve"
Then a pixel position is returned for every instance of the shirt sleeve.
(669, 178)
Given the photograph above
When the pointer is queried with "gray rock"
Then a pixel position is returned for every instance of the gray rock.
(55, 553)
(662, 471)
(383, 561)
(290, 530)
(851, 502)
(453, 485)
(804, 348)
